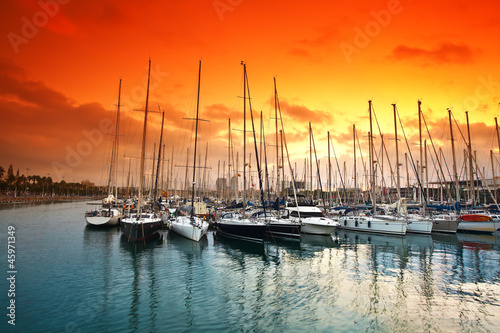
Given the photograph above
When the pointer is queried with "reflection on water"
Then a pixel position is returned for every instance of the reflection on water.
(95, 280)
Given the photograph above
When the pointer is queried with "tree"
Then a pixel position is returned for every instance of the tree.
(2, 171)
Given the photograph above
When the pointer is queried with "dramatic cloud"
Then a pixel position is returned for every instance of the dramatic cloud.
(443, 53)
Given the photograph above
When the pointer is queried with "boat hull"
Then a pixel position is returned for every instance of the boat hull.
(242, 230)
(475, 218)
(139, 230)
(281, 229)
(366, 224)
(103, 218)
(420, 227)
(477, 226)
(317, 228)
(446, 226)
(193, 229)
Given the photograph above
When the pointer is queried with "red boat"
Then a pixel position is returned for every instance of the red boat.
(475, 217)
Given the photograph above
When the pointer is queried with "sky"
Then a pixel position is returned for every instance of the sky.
(61, 62)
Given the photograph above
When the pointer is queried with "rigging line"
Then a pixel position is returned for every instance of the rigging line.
(341, 179)
(265, 163)
(361, 155)
(390, 167)
(476, 167)
(414, 168)
(439, 178)
(317, 168)
(255, 143)
(288, 157)
(435, 153)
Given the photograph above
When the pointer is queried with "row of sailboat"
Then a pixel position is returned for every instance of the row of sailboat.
(142, 219)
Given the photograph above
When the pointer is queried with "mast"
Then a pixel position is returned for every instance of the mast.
(244, 136)
(113, 168)
(355, 175)
(151, 189)
(310, 161)
(498, 133)
(128, 178)
(229, 157)
(426, 170)
(371, 159)
(471, 170)
(398, 184)
(261, 189)
(159, 158)
(493, 173)
(421, 169)
(455, 174)
(329, 174)
(143, 147)
(195, 141)
(277, 141)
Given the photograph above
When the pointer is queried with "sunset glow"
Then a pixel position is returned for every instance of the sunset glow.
(61, 62)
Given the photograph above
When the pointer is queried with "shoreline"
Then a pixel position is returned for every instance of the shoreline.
(40, 199)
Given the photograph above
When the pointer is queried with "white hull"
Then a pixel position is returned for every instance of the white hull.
(318, 226)
(102, 218)
(370, 224)
(191, 229)
(421, 227)
(487, 226)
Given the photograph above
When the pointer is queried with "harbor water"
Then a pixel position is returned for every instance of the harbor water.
(72, 278)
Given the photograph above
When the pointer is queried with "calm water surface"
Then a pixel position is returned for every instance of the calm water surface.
(75, 279)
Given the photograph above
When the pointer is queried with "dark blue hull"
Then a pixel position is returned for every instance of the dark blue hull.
(250, 232)
(289, 230)
(139, 231)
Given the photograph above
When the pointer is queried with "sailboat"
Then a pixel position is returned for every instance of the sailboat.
(143, 224)
(352, 220)
(192, 226)
(108, 214)
(242, 227)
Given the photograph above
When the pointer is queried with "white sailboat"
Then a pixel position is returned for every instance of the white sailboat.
(353, 220)
(108, 214)
(192, 226)
(143, 224)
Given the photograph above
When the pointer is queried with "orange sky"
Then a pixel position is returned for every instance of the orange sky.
(60, 63)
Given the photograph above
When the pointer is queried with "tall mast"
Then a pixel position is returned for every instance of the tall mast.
(371, 159)
(229, 157)
(113, 168)
(355, 175)
(426, 170)
(421, 169)
(398, 184)
(195, 140)
(455, 174)
(277, 140)
(244, 136)
(159, 158)
(471, 170)
(329, 174)
(143, 148)
(498, 133)
(493, 173)
(310, 161)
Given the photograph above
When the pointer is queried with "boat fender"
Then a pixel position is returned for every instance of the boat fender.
(345, 222)
(369, 224)
(355, 223)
